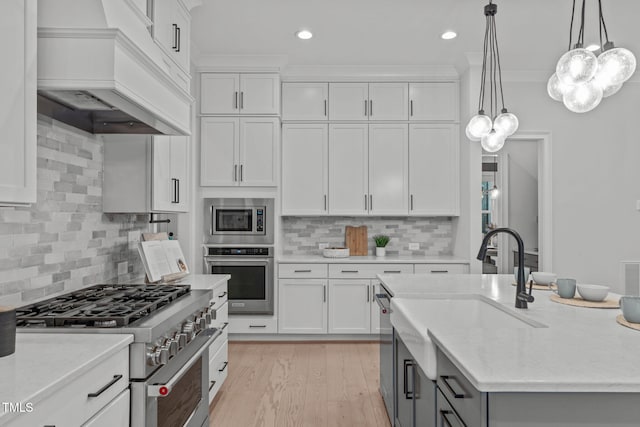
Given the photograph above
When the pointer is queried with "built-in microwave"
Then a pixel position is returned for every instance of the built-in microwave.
(237, 221)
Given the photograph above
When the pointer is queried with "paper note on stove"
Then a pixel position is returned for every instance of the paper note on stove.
(162, 257)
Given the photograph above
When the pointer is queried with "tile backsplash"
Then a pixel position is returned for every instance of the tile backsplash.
(301, 235)
(64, 241)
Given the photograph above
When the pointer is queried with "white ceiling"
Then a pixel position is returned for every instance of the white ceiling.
(532, 34)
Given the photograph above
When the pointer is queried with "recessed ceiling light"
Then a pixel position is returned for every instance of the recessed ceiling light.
(593, 47)
(304, 34)
(448, 35)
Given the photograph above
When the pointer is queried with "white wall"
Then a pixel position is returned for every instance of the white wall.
(596, 178)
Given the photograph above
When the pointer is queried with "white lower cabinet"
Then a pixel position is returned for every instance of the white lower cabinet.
(218, 368)
(375, 308)
(349, 306)
(219, 350)
(116, 413)
(302, 306)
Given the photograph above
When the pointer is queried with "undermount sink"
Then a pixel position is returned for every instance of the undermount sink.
(412, 319)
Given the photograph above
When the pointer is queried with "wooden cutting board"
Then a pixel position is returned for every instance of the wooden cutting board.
(356, 240)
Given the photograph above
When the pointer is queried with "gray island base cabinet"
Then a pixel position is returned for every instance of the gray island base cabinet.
(415, 394)
(459, 403)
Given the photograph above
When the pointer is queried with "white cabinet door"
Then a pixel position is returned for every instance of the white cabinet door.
(348, 169)
(259, 94)
(304, 169)
(375, 308)
(179, 167)
(388, 169)
(349, 306)
(219, 93)
(348, 101)
(437, 101)
(258, 142)
(18, 156)
(115, 413)
(219, 141)
(433, 169)
(183, 33)
(302, 306)
(172, 29)
(305, 101)
(388, 101)
(162, 185)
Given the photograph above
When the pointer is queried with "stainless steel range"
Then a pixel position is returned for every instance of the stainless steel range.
(169, 354)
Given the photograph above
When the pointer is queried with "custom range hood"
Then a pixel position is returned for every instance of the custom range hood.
(100, 70)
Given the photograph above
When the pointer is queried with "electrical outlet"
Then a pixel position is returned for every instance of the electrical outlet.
(323, 246)
(414, 246)
(123, 268)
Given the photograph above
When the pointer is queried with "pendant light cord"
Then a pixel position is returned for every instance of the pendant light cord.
(602, 25)
(484, 67)
(495, 38)
(573, 12)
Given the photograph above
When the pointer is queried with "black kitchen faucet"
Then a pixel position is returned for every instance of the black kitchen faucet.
(522, 297)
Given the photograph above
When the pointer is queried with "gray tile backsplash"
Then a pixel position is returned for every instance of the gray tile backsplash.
(64, 241)
(301, 235)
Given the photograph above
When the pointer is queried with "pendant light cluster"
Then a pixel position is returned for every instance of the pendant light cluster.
(581, 79)
(493, 129)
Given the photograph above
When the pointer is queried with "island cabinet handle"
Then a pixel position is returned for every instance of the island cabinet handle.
(105, 387)
(445, 380)
(445, 419)
(302, 271)
(408, 394)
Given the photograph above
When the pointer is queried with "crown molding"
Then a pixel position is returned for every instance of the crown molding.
(369, 72)
(237, 63)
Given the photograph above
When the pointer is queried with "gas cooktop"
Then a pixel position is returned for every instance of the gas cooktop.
(100, 306)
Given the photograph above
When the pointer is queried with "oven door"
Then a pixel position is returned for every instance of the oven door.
(177, 394)
(251, 285)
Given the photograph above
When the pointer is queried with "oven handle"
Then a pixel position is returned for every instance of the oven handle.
(161, 390)
(384, 308)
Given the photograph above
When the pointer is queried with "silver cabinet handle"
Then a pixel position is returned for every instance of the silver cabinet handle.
(257, 326)
(371, 108)
(371, 202)
(411, 108)
(439, 271)
(241, 172)
(368, 289)
(325, 202)
(349, 271)
(235, 100)
(324, 293)
(365, 202)
(302, 271)
(241, 100)
(392, 271)
(412, 202)
(235, 173)
(325, 108)
(365, 108)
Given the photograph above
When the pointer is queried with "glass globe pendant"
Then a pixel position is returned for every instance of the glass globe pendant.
(616, 66)
(506, 123)
(555, 88)
(576, 66)
(493, 141)
(583, 97)
(478, 126)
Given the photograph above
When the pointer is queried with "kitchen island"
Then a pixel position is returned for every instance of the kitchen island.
(560, 365)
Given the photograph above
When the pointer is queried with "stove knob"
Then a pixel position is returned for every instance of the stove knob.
(173, 347)
(202, 323)
(189, 328)
(162, 355)
(151, 358)
(182, 340)
(208, 318)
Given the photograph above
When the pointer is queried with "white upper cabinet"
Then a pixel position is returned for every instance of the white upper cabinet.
(305, 101)
(388, 101)
(388, 169)
(238, 151)
(169, 171)
(304, 169)
(434, 170)
(240, 94)
(436, 101)
(172, 29)
(18, 153)
(348, 169)
(368, 101)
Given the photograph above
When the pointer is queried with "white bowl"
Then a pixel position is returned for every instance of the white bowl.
(335, 252)
(593, 292)
(542, 278)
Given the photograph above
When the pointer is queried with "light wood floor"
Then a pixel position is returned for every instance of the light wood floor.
(300, 384)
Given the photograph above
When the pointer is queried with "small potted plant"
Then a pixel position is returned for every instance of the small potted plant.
(381, 241)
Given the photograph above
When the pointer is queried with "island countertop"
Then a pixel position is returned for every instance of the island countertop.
(579, 350)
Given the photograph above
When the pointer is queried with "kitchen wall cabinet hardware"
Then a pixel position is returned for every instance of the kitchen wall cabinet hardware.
(18, 155)
(293, 271)
(171, 31)
(253, 324)
(239, 151)
(304, 169)
(355, 101)
(434, 102)
(240, 94)
(370, 160)
(442, 268)
(144, 173)
(305, 101)
(302, 307)
(434, 180)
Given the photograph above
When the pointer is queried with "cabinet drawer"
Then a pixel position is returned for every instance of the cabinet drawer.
(442, 268)
(72, 405)
(366, 271)
(255, 325)
(217, 344)
(218, 369)
(309, 271)
(464, 397)
(220, 315)
(116, 413)
(446, 416)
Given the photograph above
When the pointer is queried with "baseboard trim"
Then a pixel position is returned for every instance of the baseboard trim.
(289, 338)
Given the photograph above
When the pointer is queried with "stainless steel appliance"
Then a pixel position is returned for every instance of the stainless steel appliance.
(387, 355)
(251, 268)
(169, 358)
(239, 221)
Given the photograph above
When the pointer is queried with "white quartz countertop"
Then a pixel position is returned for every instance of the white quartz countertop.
(204, 281)
(389, 259)
(579, 350)
(44, 363)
